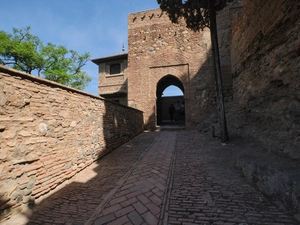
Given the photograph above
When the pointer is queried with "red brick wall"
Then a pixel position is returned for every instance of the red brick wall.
(49, 132)
(158, 48)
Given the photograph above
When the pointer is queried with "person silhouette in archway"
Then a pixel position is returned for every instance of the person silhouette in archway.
(171, 112)
(182, 111)
(177, 111)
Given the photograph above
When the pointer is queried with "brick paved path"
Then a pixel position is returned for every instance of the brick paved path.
(140, 199)
(167, 177)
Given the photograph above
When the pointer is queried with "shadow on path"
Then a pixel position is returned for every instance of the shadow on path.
(180, 177)
(76, 202)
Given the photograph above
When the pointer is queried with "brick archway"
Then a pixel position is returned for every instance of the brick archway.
(162, 84)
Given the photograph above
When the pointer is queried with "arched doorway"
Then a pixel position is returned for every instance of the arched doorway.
(161, 105)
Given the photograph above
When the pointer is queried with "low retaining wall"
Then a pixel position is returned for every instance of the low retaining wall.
(50, 132)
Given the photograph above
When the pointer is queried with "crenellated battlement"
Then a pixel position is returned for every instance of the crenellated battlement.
(146, 17)
(154, 31)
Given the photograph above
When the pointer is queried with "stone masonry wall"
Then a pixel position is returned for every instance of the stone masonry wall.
(157, 48)
(266, 83)
(50, 132)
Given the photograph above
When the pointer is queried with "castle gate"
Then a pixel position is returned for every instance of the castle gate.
(159, 50)
(161, 86)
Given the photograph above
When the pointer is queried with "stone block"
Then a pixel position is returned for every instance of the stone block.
(33, 167)
(43, 128)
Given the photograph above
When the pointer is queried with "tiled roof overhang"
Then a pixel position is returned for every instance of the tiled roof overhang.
(110, 58)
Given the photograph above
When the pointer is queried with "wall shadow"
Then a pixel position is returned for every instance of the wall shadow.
(4, 207)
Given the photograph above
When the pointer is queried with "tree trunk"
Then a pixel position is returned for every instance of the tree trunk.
(218, 75)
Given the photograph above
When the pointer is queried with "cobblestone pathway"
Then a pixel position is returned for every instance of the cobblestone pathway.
(206, 189)
(160, 178)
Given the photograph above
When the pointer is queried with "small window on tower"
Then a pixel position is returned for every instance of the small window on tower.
(115, 68)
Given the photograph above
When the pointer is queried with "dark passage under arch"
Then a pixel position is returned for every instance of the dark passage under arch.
(162, 84)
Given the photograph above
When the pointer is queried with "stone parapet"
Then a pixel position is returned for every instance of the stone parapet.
(50, 132)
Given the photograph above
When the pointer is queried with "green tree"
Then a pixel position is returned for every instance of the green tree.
(199, 14)
(24, 51)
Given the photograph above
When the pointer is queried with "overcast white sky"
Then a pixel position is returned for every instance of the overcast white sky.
(95, 26)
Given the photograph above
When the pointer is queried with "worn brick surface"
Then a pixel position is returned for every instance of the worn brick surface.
(167, 177)
(207, 189)
(149, 175)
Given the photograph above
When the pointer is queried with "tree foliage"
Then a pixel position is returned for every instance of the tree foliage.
(24, 51)
(195, 12)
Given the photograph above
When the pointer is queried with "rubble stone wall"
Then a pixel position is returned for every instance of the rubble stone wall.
(50, 132)
(266, 82)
